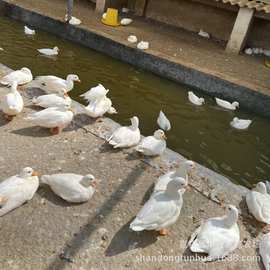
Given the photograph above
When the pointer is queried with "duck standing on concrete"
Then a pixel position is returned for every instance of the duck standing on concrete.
(54, 118)
(240, 123)
(52, 83)
(12, 103)
(227, 105)
(163, 122)
(161, 210)
(264, 250)
(21, 76)
(182, 172)
(71, 187)
(126, 136)
(29, 31)
(258, 202)
(17, 190)
(217, 237)
(53, 100)
(95, 93)
(153, 145)
(195, 99)
(49, 52)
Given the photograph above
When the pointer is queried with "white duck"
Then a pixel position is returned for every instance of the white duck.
(29, 31)
(55, 118)
(17, 189)
(240, 123)
(99, 107)
(163, 121)
(161, 210)
(132, 39)
(52, 83)
(226, 104)
(71, 187)
(143, 45)
(195, 99)
(12, 103)
(181, 172)
(22, 76)
(73, 20)
(94, 93)
(126, 136)
(218, 236)
(258, 202)
(52, 100)
(153, 145)
(264, 250)
(126, 21)
(49, 52)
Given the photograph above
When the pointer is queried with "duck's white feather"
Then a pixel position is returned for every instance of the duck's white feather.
(195, 99)
(98, 108)
(12, 103)
(163, 121)
(51, 117)
(68, 186)
(95, 93)
(29, 31)
(51, 100)
(21, 76)
(264, 249)
(15, 191)
(217, 237)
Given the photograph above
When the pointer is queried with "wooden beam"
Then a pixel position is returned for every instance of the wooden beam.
(240, 30)
(140, 7)
(100, 6)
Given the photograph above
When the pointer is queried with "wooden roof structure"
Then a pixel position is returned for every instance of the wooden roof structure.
(262, 5)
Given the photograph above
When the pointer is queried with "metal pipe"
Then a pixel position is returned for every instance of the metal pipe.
(69, 9)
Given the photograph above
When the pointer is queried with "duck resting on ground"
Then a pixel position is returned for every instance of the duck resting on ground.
(21, 76)
(18, 189)
(258, 202)
(153, 145)
(217, 237)
(52, 100)
(126, 136)
(71, 187)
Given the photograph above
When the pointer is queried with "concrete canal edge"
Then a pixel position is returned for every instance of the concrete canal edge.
(209, 183)
(213, 85)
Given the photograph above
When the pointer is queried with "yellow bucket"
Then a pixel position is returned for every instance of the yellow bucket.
(267, 63)
(111, 17)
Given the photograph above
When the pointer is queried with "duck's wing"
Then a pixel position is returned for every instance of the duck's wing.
(156, 211)
(163, 121)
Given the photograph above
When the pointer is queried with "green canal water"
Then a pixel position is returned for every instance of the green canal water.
(202, 134)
